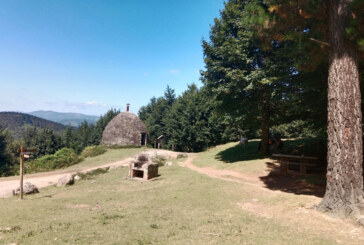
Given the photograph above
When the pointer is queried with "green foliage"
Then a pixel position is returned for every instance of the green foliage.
(9, 161)
(61, 159)
(295, 129)
(92, 151)
(154, 114)
(16, 122)
(189, 122)
(250, 75)
(3, 155)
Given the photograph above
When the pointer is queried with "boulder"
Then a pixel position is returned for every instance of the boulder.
(28, 188)
(361, 220)
(113, 167)
(182, 155)
(65, 180)
(77, 177)
(169, 163)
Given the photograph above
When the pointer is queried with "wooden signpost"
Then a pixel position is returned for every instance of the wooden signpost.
(24, 153)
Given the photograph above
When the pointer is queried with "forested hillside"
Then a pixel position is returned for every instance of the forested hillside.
(16, 122)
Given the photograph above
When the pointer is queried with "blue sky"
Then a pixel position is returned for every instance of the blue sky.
(88, 56)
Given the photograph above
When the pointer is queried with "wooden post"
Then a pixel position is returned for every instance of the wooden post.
(21, 173)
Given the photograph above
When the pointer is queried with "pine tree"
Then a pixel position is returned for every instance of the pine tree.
(331, 30)
(247, 76)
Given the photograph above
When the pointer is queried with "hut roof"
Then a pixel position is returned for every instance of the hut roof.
(124, 125)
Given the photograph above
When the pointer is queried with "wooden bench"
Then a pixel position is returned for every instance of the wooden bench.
(302, 161)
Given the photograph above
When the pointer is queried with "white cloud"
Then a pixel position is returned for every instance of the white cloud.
(95, 103)
(174, 71)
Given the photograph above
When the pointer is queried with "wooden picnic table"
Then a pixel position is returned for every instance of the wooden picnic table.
(302, 161)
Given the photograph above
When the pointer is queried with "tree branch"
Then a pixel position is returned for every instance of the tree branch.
(320, 42)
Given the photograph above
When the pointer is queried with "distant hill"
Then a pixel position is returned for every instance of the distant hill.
(16, 121)
(71, 119)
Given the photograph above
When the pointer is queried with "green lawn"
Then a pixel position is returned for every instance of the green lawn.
(181, 207)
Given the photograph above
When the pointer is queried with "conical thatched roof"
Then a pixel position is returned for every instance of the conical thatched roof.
(124, 129)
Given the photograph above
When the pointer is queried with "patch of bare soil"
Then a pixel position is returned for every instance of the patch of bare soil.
(165, 153)
(296, 208)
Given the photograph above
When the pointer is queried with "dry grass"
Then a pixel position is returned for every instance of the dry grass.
(182, 207)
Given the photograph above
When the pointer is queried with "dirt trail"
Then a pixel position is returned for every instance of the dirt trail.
(228, 175)
(47, 178)
(291, 213)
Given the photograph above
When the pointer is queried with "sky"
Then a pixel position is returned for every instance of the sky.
(90, 56)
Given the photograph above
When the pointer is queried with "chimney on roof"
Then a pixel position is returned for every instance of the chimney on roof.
(127, 107)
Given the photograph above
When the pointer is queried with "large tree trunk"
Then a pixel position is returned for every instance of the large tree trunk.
(264, 148)
(344, 191)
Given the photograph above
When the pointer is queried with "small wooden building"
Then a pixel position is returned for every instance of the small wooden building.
(125, 129)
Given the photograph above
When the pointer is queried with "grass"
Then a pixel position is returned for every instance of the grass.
(232, 156)
(112, 155)
(247, 159)
(92, 151)
(181, 207)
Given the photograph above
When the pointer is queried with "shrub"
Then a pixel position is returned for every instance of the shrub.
(161, 160)
(92, 151)
(295, 129)
(63, 158)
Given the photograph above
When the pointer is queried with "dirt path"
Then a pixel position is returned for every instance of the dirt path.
(293, 210)
(47, 178)
(228, 175)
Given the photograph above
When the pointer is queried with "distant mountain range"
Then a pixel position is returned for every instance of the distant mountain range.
(16, 121)
(68, 119)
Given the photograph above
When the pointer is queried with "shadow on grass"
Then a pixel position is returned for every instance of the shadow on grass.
(312, 184)
(240, 153)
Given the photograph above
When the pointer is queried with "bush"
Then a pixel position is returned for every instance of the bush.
(92, 151)
(161, 160)
(63, 158)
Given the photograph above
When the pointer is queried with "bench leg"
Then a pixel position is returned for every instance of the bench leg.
(284, 168)
(303, 169)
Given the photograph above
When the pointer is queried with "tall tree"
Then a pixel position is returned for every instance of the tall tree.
(331, 27)
(154, 114)
(344, 192)
(3, 156)
(249, 79)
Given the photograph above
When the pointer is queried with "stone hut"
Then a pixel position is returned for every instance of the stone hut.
(125, 129)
